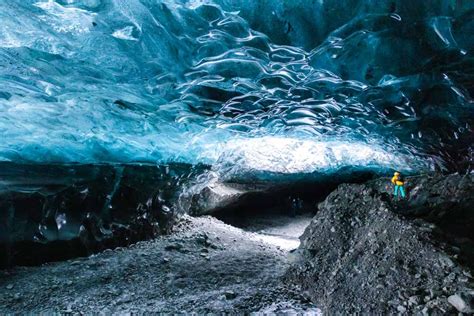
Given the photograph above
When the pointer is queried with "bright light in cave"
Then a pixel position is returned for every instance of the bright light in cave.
(291, 155)
(283, 243)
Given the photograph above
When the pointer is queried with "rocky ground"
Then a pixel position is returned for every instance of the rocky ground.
(363, 252)
(204, 266)
(366, 252)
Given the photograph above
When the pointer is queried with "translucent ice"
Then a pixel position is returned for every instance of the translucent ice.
(278, 85)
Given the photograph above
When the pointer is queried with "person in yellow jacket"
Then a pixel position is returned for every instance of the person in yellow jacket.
(398, 182)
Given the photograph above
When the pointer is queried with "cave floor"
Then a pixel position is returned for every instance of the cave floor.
(204, 266)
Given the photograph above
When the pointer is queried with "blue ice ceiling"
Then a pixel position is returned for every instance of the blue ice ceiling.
(282, 86)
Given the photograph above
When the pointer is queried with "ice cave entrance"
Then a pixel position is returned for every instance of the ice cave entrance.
(299, 174)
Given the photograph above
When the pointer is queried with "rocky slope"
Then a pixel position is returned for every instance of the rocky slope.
(367, 252)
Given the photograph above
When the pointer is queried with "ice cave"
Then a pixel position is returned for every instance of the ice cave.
(301, 157)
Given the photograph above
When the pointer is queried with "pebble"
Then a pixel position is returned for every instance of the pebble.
(461, 303)
(447, 262)
(230, 295)
(9, 286)
(205, 256)
(401, 309)
(413, 300)
(68, 310)
(467, 273)
(175, 246)
(425, 311)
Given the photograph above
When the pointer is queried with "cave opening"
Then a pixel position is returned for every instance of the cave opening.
(281, 213)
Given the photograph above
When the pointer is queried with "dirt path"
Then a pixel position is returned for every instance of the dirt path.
(205, 266)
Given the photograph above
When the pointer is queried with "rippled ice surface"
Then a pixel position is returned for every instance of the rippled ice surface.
(248, 85)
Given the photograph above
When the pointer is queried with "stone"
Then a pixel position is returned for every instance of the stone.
(230, 295)
(401, 309)
(446, 262)
(205, 256)
(413, 300)
(175, 246)
(464, 303)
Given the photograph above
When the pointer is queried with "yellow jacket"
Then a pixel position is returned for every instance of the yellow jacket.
(396, 180)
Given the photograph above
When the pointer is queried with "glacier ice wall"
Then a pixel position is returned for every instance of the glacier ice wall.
(302, 85)
(55, 212)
